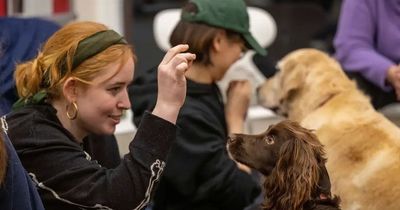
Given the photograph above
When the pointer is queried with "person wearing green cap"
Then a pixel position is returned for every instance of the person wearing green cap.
(77, 86)
(199, 174)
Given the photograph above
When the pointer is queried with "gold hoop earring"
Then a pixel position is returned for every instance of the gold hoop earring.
(74, 114)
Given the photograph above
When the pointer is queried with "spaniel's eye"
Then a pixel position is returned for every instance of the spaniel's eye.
(270, 140)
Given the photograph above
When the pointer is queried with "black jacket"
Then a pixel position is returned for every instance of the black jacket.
(66, 176)
(199, 173)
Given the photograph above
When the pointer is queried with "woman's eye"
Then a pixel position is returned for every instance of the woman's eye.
(114, 89)
(270, 140)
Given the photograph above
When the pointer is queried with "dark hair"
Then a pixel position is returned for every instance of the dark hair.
(198, 36)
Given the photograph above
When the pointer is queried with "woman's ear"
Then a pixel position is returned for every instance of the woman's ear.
(218, 40)
(69, 89)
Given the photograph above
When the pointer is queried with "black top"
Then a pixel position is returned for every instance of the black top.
(199, 172)
(66, 176)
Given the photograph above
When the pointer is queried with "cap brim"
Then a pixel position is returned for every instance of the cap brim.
(253, 44)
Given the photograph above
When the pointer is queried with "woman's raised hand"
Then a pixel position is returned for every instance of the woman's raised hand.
(172, 82)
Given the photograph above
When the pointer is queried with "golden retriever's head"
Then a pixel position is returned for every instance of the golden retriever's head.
(305, 79)
(293, 161)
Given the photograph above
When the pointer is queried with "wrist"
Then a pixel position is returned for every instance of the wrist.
(168, 112)
(390, 74)
(235, 126)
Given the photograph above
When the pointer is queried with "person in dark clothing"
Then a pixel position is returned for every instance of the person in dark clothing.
(20, 41)
(199, 172)
(16, 188)
(76, 86)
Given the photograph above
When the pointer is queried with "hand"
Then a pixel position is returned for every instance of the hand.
(172, 82)
(393, 76)
(238, 101)
(243, 167)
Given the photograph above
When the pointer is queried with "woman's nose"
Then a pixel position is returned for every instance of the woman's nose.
(124, 102)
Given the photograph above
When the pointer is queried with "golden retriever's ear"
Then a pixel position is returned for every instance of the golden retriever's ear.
(292, 79)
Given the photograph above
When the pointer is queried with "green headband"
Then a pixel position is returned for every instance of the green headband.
(94, 44)
(87, 48)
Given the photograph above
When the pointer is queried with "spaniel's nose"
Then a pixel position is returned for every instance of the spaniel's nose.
(232, 139)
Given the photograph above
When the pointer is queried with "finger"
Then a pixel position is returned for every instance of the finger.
(182, 58)
(190, 63)
(247, 84)
(230, 86)
(174, 51)
(398, 95)
(190, 57)
(181, 69)
(241, 83)
(233, 83)
(397, 91)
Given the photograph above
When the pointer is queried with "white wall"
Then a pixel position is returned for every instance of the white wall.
(33, 8)
(108, 12)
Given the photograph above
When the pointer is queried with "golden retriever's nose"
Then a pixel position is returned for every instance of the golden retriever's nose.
(258, 89)
(275, 109)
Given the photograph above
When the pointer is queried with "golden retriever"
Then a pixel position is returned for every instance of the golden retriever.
(363, 147)
(293, 162)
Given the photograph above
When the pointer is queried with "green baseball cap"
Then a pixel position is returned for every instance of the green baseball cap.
(227, 14)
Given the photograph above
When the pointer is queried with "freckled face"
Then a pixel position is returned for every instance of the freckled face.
(101, 103)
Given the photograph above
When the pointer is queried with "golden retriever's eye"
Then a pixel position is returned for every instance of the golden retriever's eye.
(270, 140)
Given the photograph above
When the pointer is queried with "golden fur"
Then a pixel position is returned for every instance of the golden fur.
(363, 147)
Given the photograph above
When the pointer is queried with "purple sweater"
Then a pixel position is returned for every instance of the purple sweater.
(368, 38)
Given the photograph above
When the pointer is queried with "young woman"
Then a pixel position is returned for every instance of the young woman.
(199, 172)
(77, 86)
(20, 39)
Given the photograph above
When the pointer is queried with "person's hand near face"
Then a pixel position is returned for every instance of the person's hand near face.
(393, 76)
(172, 82)
(238, 101)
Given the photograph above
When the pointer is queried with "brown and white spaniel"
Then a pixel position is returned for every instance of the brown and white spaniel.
(293, 162)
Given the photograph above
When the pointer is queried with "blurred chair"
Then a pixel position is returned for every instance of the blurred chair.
(59, 11)
(297, 25)
(263, 28)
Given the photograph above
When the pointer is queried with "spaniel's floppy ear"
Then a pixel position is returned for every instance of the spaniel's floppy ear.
(295, 176)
